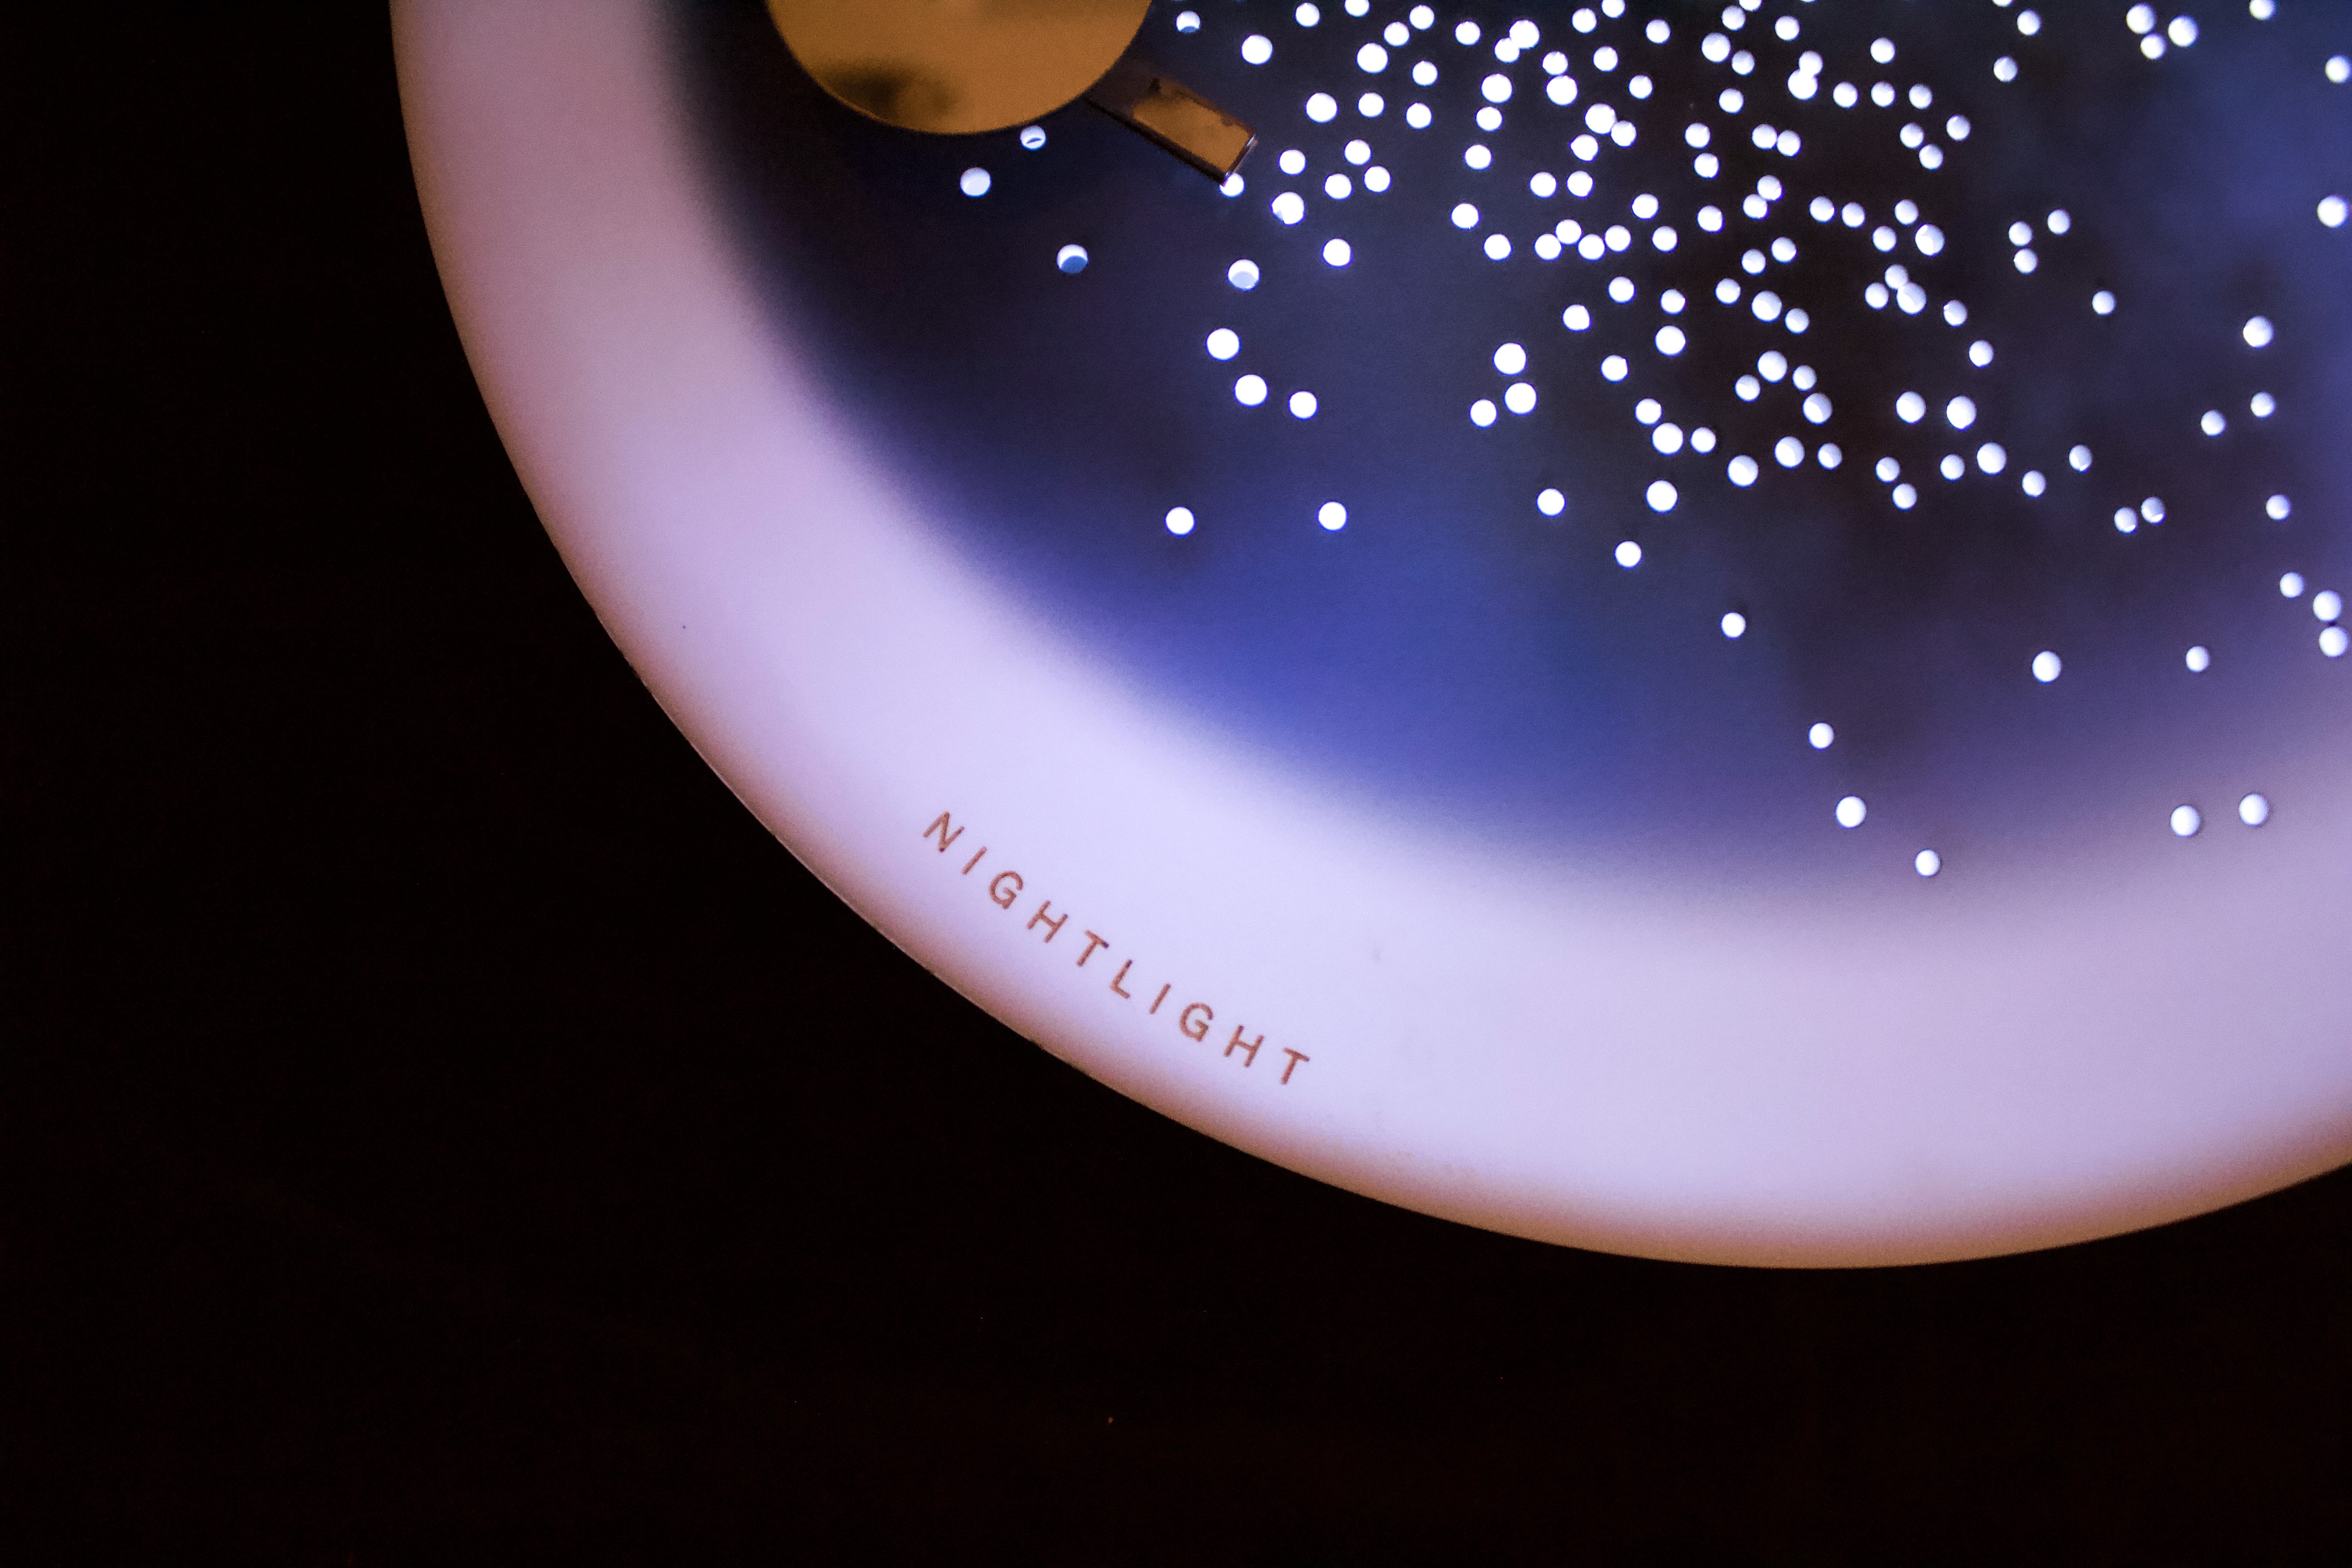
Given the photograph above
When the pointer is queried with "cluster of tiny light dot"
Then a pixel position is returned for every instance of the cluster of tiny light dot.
(1593, 86)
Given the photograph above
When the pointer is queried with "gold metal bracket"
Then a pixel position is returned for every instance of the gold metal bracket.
(961, 66)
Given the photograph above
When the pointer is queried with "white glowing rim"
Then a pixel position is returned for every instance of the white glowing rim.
(1599, 1063)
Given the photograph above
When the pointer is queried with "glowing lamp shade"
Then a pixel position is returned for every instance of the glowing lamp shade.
(1741, 795)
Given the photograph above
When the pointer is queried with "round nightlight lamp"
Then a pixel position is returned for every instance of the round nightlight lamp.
(1714, 635)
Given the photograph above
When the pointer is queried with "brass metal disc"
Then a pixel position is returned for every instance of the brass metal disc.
(957, 66)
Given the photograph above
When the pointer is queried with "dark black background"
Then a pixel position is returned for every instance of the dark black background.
(439, 1123)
